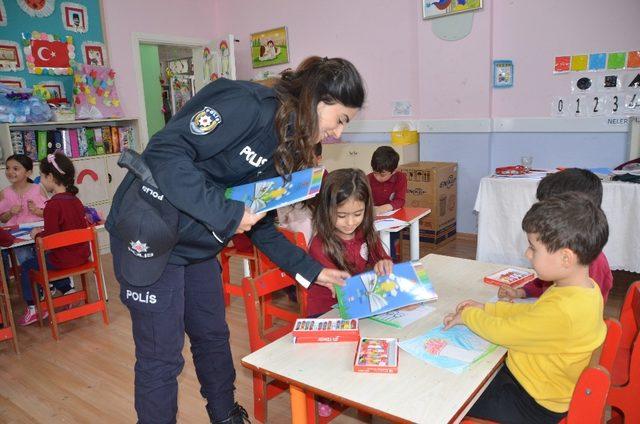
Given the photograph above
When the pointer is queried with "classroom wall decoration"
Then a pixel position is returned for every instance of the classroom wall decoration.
(37, 8)
(74, 17)
(269, 47)
(79, 20)
(15, 82)
(502, 73)
(48, 54)
(3, 14)
(596, 62)
(95, 95)
(439, 8)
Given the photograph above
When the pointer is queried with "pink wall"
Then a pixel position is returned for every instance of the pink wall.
(124, 17)
(395, 50)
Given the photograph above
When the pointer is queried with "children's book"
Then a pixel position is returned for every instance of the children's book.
(377, 355)
(510, 276)
(273, 193)
(455, 349)
(402, 317)
(368, 294)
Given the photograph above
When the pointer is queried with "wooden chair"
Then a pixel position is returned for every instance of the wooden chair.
(589, 399)
(43, 276)
(7, 324)
(254, 290)
(625, 388)
(248, 254)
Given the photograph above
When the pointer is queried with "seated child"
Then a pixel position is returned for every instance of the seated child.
(64, 211)
(388, 186)
(345, 238)
(572, 179)
(549, 342)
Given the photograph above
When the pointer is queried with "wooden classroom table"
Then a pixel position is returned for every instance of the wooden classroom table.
(419, 392)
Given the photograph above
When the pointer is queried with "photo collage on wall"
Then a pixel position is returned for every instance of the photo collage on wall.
(602, 84)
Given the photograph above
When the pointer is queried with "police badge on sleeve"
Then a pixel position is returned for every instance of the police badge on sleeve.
(205, 121)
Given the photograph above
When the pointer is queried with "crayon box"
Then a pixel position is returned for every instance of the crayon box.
(325, 330)
(377, 355)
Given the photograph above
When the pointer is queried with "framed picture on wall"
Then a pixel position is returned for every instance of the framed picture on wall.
(13, 82)
(74, 17)
(10, 57)
(439, 8)
(269, 47)
(94, 53)
(3, 14)
(502, 73)
(55, 88)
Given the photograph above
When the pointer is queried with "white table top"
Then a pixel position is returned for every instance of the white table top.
(419, 392)
(503, 202)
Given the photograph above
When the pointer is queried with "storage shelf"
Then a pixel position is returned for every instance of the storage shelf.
(76, 123)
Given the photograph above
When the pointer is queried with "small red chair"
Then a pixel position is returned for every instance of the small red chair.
(241, 249)
(625, 388)
(254, 290)
(7, 325)
(43, 276)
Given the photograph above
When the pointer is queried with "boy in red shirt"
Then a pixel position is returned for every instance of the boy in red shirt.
(572, 179)
(388, 187)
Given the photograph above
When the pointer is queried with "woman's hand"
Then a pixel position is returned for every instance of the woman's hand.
(32, 207)
(249, 219)
(383, 267)
(508, 293)
(329, 276)
(452, 319)
(15, 210)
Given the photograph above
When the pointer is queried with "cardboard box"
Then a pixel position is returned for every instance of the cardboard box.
(433, 185)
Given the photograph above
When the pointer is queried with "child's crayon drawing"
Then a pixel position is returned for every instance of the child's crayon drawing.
(455, 349)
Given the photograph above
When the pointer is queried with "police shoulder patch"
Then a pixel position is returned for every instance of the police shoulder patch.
(205, 121)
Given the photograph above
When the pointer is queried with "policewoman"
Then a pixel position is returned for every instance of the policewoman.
(168, 222)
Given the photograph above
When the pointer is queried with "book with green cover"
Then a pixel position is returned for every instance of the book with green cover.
(91, 141)
(41, 141)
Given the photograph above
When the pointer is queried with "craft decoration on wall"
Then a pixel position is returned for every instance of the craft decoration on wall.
(439, 8)
(3, 14)
(94, 53)
(37, 8)
(597, 62)
(10, 56)
(268, 48)
(225, 63)
(94, 92)
(209, 60)
(48, 53)
(55, 89)
(502, 73)
(74, 17)
(13, 82)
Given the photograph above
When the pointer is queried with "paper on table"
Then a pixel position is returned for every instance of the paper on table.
(402, 317)
(29, 225)
(388, 223)
(388, 213)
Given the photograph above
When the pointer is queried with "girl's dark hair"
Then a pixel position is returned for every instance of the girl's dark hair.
(64, 163)
(315, 80)
(23, 160)
(339, 186)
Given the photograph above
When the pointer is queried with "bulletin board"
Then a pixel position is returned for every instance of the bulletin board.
(52, 31)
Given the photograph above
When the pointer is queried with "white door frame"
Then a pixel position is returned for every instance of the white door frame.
(159, 39)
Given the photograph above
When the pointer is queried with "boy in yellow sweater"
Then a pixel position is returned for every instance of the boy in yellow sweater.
(549, 342)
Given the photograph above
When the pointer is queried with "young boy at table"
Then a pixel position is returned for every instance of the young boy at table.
(388, 186)
(549, 342)
(572, 179)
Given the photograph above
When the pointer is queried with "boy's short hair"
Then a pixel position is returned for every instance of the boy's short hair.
(570, 220)
(572, 179)
(385, 158)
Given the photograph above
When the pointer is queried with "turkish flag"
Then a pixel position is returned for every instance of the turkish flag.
(50, 54)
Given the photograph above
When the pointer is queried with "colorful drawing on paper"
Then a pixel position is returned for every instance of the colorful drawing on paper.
(368, 294)
(455, 349)
(402, 317)
(10, 56)
(439, 8)
(269, 47)
(273, 193)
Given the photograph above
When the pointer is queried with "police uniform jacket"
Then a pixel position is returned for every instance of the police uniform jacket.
(223, 137)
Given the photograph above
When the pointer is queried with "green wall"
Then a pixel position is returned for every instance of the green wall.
(152, 89)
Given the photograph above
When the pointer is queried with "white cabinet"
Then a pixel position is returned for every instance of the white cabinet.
(97, 177)
(358, 155)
